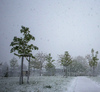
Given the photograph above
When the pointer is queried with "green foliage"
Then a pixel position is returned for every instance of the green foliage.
(49, 58)
(93, 61)
(50, 67)
(21, 44)
(49, 61)
(65, 59)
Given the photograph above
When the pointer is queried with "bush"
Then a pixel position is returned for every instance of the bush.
(48, 86)
(6, 74)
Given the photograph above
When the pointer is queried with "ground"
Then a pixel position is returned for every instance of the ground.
(84, 84)
(51, 84)
(37, 84)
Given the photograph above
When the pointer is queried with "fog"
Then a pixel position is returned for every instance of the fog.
(57, 25)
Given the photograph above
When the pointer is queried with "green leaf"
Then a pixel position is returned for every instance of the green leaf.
(21, 44)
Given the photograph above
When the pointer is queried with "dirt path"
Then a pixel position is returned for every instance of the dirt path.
(83, 84)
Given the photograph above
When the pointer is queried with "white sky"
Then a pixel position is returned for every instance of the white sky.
(58, 25)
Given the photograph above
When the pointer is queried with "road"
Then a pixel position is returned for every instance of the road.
(83, 84)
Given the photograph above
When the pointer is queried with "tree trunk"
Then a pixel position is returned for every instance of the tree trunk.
(66, 71)
(28, 71)
(63, 71)
(40, 71)
(93, 71)
(33, 71)
(21, 74)
(40, 68)
(69, 71)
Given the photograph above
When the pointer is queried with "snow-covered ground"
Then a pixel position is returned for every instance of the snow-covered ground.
(96, 79)
(51, 84)
(37, 84)
(83, 84)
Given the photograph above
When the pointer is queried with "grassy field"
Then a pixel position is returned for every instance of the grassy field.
(37, 84)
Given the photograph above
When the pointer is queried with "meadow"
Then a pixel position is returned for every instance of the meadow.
(37, 84)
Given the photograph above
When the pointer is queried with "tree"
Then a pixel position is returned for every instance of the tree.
(40, 58)
(38, 61)
(5, 69)
(79, 66)
(13, 63)
(50, 68)
(21, 47)
(93, 60)
(98, 68)
(65, 60)
(34, 64)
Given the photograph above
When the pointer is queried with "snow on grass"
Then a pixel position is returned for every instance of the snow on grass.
(37, 84)
(72, 85)
(96, 79)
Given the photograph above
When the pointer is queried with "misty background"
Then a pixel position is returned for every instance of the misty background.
(57, 25)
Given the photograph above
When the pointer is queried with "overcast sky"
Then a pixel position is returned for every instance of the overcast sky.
(57, 25)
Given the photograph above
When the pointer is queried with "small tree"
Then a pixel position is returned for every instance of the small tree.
(21, 45)
(13, 63)
(6, 74)
(38, 61)
(5, 69)
(50, 68)
(93, 61)
(65, 60)
(79, 66)
(40, 58)
(34, 64)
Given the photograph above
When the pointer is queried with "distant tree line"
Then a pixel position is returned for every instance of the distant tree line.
(43, 64)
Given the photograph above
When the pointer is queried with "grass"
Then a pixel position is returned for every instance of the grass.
(37, 84)
(96, 79)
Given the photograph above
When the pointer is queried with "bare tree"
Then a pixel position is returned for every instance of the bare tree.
(38, 61)
(13, 63)
(79, 66)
